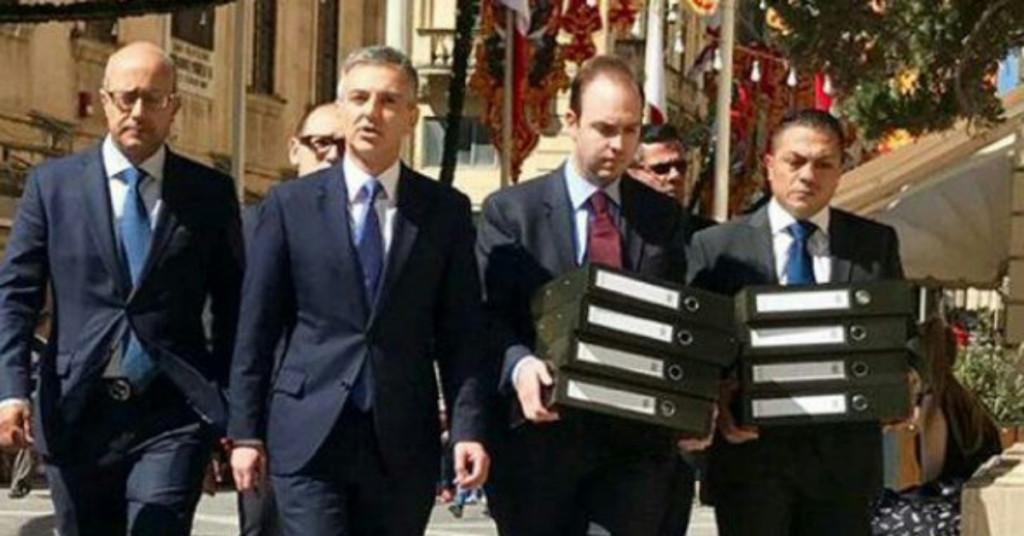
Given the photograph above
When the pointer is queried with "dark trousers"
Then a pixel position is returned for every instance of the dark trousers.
(777, 507)
(346, 491)
(680, 499)
(257, 513)
(133, 467)
(562, 480)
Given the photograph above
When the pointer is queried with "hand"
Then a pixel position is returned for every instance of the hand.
(249, 467)
(731, 431)
(16, 426)
(697, 444)
(472, 464)
(531, 379)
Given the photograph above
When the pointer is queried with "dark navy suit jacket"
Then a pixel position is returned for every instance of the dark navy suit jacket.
(728, 257)
(303, 268)
(63, 238)
(526, 240)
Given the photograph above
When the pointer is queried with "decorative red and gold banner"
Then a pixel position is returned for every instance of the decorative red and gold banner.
(538, 72)
(581, 20)
(704, 8)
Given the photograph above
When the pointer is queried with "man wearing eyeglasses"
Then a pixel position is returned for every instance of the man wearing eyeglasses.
(318, 142)
(133, 241)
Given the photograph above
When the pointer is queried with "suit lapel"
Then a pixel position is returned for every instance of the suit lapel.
(840, 248)
(632, 241)
(333, 206)
(413, 203)
(762, 237)
(559, 215)
(101, 220)
(172, 196)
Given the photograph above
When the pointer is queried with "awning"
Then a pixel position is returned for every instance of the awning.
(949, 198)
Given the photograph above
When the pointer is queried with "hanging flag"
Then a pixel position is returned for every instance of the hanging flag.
(654, 65)
(538, 72)
(703, 8)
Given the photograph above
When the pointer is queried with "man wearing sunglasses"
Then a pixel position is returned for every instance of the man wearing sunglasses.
(661, 164)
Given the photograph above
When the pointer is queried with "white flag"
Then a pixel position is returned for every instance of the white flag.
(654, 64)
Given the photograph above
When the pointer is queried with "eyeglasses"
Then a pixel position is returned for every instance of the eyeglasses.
(152, 100)
(665, 167)
(320, 144)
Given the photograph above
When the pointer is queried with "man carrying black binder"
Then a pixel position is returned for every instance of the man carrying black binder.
(796, 480)
(555, 476)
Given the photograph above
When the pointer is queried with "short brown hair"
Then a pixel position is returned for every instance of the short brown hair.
(610, 66)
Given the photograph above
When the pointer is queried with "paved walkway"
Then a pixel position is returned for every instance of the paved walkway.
(33, 516)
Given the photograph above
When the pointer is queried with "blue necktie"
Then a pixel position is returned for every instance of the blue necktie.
(136, 235)
(799, 267)
(370, 248)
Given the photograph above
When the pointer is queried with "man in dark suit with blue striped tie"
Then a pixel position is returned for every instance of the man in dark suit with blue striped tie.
(134, 242)
(371, 266)
(795, 481)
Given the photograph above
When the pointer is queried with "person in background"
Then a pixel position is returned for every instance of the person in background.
(661, 164)
(956, 435)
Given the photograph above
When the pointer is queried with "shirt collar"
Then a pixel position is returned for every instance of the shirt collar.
(780, 219)
(581, 189)
(355, 178)
(115, 162)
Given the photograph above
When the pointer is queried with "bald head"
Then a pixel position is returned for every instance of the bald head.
(139, 99)
(141, 54)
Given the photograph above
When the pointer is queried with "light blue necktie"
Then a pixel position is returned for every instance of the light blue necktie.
(370, 248)
(799, 267)
(136, 235)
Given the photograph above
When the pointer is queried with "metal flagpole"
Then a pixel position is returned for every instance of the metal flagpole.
(238, 108)
(724, 104)
(506, 113)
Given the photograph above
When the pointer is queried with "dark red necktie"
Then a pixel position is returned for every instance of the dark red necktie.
(604, 243)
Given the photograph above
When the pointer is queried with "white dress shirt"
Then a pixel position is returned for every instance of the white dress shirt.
(386, 204)
(115, 163)
(817, 243)
(580, 190)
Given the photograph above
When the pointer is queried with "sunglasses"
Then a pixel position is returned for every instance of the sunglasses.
(665, 167)
(321, 144)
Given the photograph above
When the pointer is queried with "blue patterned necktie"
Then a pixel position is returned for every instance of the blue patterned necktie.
(799, 267)
(136, 235)
(370, 248)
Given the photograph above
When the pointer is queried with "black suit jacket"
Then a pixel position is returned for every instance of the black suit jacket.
(63, 238)
(526, 240)
(728, 257)
(303, 268)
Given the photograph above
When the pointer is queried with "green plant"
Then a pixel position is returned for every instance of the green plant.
(995, 373)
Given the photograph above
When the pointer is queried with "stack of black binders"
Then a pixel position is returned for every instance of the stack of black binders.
(635, 348)
(827, 353)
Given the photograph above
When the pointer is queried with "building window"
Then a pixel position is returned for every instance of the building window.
(99, 30)
(194, 26)
(265, 18)
(327, 51)
(475, 148)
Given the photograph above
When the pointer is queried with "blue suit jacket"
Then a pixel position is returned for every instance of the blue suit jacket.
(63, 241)
(304, 274)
